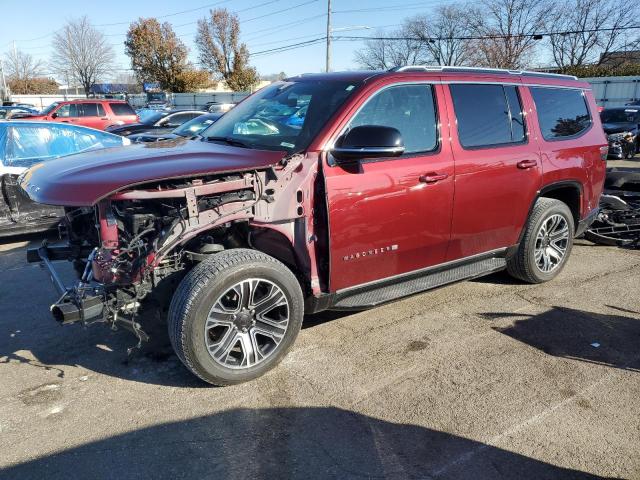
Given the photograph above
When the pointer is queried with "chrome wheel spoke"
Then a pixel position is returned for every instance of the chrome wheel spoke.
(274, 299)
(221, 349)
(270, 329)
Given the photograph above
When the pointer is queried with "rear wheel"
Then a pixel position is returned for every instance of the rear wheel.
(546, 244)
(235, 316)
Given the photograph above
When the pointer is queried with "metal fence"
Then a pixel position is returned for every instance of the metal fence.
(179, 100)
(615, 91)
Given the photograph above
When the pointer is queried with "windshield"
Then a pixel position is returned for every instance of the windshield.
(285, 116)
(619, 116)
(195, 126)
(50, 108)
(150, 116)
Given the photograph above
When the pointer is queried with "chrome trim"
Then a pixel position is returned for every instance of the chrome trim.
(490, 253)
(364, 150)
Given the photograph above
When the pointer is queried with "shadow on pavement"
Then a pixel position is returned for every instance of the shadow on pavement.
(610, 340)
(287, 443)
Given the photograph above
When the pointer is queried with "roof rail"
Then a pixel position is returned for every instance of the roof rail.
(447, 68)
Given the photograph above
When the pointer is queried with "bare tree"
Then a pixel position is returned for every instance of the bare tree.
(81, 53)
(392, 49)
(222, 53)
(22, 66)
(599, 27)
(508, 29)
(443, 33)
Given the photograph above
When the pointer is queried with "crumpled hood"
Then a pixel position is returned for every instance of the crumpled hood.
(610, 128)
(85, 178)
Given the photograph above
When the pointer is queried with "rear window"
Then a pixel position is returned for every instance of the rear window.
(121, 109)
(562, 112)
(488, 115)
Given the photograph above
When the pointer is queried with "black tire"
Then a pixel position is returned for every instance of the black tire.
(203, 286)
(522, 264)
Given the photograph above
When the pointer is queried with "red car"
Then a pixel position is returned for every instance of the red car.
(394, 183)
(94, 113)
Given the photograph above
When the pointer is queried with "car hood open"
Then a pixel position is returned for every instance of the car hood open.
(84, 179)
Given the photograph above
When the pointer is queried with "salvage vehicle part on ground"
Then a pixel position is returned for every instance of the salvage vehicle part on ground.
(24, 144)
(618, 223)
(233, 237)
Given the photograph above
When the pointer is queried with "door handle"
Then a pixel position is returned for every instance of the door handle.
(104, 118)
(524, 164)
(433, 177)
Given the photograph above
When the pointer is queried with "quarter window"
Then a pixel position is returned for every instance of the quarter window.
(408, 108)
(488, 115)
(561, 112)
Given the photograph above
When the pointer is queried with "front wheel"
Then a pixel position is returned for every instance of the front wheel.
(547, 242)
(235, 316)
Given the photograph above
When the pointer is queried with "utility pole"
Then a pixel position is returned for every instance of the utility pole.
(5, 92)
(328, 65)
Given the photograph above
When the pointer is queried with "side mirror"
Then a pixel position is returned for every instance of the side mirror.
(368, 141)
(54, 115)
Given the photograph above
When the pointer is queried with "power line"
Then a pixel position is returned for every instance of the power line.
(292, 46)
(169, 14)
(534, 35)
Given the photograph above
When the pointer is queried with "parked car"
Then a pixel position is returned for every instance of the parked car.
(188, 129)
(217, 107)
(19, 104)
(94, 113)
(16, 112)
(238, 235)
(24, 144)
(621, 126)
(153, 121)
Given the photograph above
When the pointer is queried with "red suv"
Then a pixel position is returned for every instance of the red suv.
(393, 183)
(98, 114)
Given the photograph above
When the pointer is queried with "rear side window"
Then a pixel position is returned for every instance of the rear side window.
(562, 112)
(488, 115)
(408, 108)
(91, 110)
(119, 109)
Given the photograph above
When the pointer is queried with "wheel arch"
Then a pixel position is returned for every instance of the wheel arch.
(570, 192)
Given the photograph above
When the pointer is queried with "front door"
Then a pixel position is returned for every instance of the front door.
(391, 216)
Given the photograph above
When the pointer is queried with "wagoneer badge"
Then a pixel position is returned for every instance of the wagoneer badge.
(371, 252)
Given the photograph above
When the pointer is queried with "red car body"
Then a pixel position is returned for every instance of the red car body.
(354, 233)
(93, 113)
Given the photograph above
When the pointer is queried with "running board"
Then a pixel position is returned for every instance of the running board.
(373, 295)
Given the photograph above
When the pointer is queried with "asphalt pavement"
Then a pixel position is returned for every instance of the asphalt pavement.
(485, 379)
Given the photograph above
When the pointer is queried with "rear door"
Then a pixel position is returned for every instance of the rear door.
(384, 219)
(498, 166)
(93, 115)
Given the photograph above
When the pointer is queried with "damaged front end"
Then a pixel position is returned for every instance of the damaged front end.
(132, 248)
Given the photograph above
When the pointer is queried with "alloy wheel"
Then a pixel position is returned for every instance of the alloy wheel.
(551, 243)
(247, 323)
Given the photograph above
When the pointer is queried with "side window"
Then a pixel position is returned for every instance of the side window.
(65, 111)
(89, 109)
(408, 108)
(100, 110)
(119, 109)
(562, 112)
(488, 115)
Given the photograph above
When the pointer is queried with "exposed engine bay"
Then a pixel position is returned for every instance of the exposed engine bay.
(132, 249)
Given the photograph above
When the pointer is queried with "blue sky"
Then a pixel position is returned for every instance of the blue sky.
(30, 24)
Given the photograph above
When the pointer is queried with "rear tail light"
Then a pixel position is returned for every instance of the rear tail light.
(604, 152)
